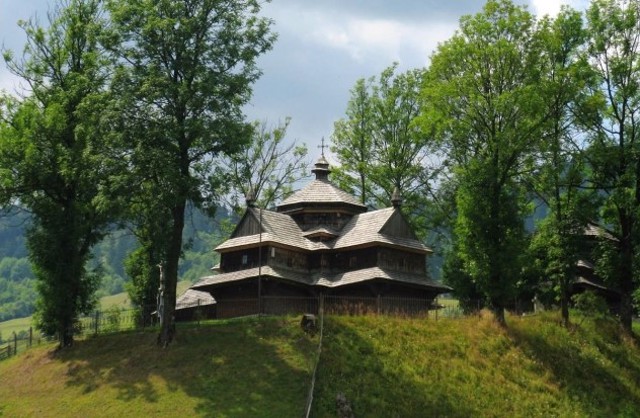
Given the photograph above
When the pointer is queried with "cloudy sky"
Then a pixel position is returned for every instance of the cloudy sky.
(324, 46)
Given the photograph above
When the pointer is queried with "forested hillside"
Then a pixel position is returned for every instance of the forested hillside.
(17, 283)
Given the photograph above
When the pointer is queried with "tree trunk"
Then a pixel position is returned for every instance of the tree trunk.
(498, 312)
(626, 288)
(168, 327)
(626, 275)
(626, 312)
(564, 307)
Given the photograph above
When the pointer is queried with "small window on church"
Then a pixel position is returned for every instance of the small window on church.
(245, 259)
(353, 261)
(273, 252)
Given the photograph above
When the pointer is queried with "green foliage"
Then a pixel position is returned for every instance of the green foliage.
(591, 305)
(610, 116)
(13, 223)
(464, 288)
(353, 142)
(17, 281)
(186, 71)
(56, 161)
(557, 245)
(482, 98)
(380, 148)
(17, 288)
(112, 319)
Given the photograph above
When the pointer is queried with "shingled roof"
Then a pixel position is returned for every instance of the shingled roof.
(363, 229)
(194, 298)
(277, 228)
(319, 191)
(325, 279)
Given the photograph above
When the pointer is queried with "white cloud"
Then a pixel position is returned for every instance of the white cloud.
(552, 7)
(364, 39)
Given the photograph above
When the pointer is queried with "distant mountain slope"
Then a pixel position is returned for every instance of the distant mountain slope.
(17, 284)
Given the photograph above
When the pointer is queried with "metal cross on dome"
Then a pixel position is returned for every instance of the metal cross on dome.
(322, 146)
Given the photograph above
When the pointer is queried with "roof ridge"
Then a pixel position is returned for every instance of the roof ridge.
(321, 191)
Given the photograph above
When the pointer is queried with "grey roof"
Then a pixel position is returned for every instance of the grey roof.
(320, 231)
(586, 264)
(235, 276)
(278, 228)
(365, 228)
(595, 230)
(362, 229)
(193, 298)
(319, 191)
(357, 276)
(324, 279)
(580, 280)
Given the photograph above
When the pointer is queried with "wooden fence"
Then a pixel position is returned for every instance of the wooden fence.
(118, 319)
(333, 305)
(16, 344)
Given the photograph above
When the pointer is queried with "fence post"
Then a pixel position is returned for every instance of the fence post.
(30, 336)
(95, 322)
(15, 343)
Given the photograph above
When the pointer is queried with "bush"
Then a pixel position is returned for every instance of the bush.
(591, 305)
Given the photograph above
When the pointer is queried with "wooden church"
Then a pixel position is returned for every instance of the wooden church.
(319, 241)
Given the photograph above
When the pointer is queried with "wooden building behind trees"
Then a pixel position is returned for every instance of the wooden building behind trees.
(320, 241)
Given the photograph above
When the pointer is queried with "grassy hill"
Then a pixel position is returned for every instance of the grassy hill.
(384, 367)
(472, 368)
(236, 369)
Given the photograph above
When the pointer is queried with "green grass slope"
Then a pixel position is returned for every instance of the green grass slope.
(390, 367)
(384, 367)
(250, 368)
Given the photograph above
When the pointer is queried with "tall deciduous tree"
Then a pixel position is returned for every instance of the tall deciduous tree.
(612, 118)
(353, 141)
(482, 94)
(55, 158)
(380, 144)
(560, 171)
(188, 67)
